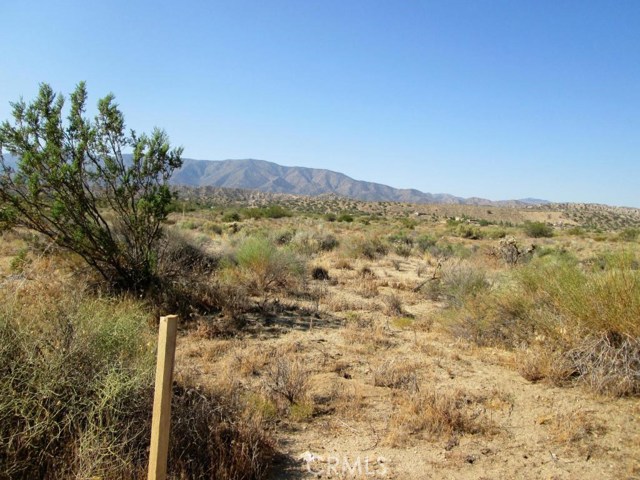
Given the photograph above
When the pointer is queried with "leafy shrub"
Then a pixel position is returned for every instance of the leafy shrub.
(537, 229)
(68, 172)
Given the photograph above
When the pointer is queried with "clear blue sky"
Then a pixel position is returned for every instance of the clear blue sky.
(498, 99)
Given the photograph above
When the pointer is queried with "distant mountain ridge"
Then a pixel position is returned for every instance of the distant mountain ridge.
(251, 174)
(270, 177)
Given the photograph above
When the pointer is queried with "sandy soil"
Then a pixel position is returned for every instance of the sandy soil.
(356, 430)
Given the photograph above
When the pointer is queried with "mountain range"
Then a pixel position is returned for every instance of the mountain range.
(266, 176)
(250, 174)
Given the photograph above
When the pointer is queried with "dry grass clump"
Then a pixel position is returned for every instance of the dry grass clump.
(368, 287)
(393, 305)
(396, 373)
(439, 414)
(76, 393)
(364, 332)
(287, 376)
(457, 282)
(587, 321)
(577, 429)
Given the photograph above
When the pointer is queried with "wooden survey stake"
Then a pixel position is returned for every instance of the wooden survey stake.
(161, 421)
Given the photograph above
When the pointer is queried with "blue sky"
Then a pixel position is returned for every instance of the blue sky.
(497, 99)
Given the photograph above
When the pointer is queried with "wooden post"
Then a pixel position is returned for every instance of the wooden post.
(161, 421)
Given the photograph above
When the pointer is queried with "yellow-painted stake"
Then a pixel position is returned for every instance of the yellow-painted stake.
(161, 421)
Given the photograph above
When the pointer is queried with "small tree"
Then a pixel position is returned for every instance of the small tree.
(73, 183)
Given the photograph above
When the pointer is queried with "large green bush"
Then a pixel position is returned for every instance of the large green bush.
(74, 184)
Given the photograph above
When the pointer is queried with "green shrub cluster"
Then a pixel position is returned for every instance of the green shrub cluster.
(537, 229)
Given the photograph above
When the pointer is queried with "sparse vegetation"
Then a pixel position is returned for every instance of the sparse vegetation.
(377, 334)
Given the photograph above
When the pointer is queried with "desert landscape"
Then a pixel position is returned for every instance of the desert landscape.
(349, 339)
(249, 240)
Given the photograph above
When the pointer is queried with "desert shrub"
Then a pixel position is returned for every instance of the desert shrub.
(409, 223)
(369, 248)
(470, 232)
(76, 394)
(211, 227)
(189, 225)
(576, 231)
(589, 319)
(183, 282)
(457, 282)
(271, 211)
(319, 273)
(231, 217)
(496, 233)
(283, 237)
(305, 243)
(629, 234)
(264, 269)
(444, 250)
(327, 242)
(537, 229)
(402, 243)
(330, 217)
(345, 217)
(425, 242)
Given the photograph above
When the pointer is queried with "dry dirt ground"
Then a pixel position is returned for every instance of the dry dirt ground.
(384, 385)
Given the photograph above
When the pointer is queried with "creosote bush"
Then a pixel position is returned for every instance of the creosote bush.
(73, 184)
